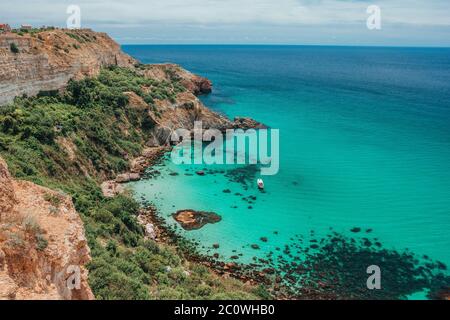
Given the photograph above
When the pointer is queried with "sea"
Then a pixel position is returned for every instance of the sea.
(364, 155)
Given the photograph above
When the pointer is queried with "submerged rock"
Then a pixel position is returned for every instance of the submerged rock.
(247, 123)
(193, 220)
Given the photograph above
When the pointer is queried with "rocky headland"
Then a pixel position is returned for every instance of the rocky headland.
(41, 233)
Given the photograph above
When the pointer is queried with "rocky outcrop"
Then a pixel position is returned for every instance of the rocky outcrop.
(187, 108)
(43, 248)
(247, 123)
(149, 156)
(193, 220)
(168, 116)
(48, 60)
(172, 72)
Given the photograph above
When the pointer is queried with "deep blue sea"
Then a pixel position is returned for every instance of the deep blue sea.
(365, 148)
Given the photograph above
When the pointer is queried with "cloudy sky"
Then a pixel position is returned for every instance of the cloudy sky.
(325, 22)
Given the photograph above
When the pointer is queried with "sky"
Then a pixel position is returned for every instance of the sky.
(296, 22)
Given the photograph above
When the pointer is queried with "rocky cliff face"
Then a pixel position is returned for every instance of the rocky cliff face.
(49, 59)
(43, 249)
(187, 108)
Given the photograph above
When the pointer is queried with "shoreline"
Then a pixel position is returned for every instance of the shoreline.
(167, 235)
(275, 282)
(148, 158)
(280, 282)
(157, 230)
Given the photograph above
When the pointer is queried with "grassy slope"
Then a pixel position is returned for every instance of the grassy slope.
(92, 117)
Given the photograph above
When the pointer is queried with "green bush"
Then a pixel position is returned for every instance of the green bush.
(13, 47)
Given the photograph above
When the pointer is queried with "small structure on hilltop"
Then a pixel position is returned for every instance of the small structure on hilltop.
(26, 27)
(4, 27)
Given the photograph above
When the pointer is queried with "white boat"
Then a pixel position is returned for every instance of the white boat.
(260, 183)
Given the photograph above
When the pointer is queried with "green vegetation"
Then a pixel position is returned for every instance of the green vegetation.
(32, 32)
(72, 141)
(81, 37)
(14, 48)
(33, 228)
(53, 199)
(41, 242)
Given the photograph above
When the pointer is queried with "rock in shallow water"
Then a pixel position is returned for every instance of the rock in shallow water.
(193, 220)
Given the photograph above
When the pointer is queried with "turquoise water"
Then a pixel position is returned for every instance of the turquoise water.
(365, 142)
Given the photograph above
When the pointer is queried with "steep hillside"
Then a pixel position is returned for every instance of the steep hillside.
(42, 243)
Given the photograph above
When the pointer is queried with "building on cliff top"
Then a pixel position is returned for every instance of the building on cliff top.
(4, 27)
(26, 27)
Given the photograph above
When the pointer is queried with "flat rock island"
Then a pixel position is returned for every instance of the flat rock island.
(194, 220)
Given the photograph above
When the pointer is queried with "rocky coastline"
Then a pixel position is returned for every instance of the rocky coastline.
(134, 137)
(282, 282)
(151, 220)
(149, 157)
(50, 61)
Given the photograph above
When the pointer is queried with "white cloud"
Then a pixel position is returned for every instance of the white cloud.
(323, 18)
(217, 12)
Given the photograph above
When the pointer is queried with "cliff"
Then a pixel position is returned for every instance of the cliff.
(115, 118)
(184, 109)
(42, 243)
(47, 60)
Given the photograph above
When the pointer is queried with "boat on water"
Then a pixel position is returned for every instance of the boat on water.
(260, 183)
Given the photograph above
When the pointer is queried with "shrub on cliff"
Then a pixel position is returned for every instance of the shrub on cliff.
(109, 283)
(89, 92)
(13, 47)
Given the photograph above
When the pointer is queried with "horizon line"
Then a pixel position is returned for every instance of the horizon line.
(289, 45)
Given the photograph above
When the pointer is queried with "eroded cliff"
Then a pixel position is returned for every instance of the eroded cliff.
(46, 60)
(43, 248)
